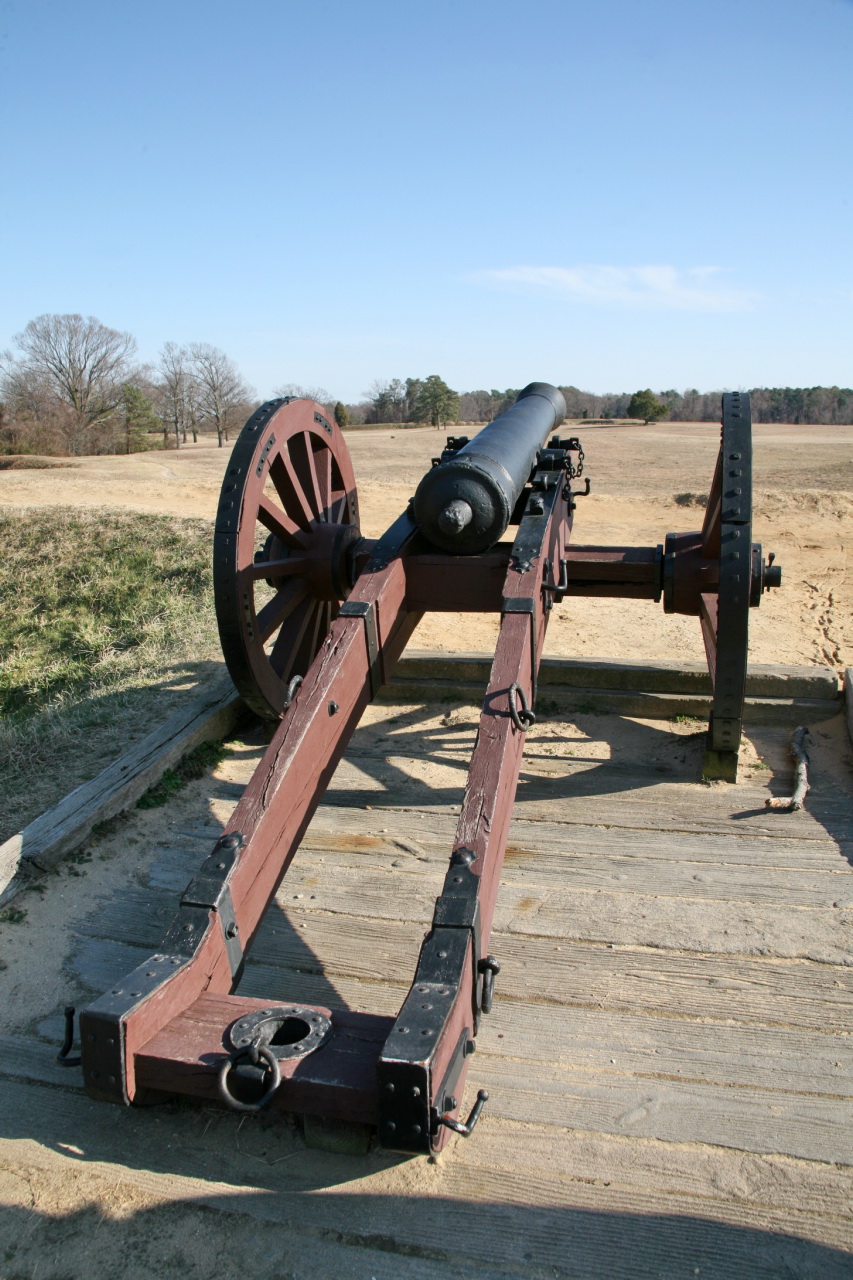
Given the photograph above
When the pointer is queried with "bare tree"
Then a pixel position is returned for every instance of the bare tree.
(176, 376)
(387, 400)
(320, 394)
(222, 393)
(72, 368)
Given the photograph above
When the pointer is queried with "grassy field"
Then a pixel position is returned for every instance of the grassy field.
(106, 623)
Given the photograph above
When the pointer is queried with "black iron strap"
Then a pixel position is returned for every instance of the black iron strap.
(210, 889)
(526, 604)
(366, 610)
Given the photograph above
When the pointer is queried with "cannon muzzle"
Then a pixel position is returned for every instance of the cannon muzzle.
(464, 504)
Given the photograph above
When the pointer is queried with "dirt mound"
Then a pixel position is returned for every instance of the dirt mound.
(827, 503)
(31, 462)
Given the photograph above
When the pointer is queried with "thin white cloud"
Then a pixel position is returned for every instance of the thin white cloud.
(663, 288)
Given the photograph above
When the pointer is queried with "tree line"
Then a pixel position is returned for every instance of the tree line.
(815, 405)
(75, 386)
(395, 400)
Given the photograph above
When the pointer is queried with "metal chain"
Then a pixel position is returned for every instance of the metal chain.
(574, 472)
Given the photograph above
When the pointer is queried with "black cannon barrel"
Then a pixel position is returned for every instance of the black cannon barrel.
(465, 504)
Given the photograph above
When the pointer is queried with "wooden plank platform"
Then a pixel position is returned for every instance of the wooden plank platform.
(669, 1058)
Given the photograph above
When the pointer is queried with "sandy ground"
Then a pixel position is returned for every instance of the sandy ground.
(803, 509)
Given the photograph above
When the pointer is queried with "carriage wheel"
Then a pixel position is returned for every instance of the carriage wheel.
(724, 615)
(285, 530)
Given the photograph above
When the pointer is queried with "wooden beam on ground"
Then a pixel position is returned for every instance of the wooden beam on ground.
(775, 693)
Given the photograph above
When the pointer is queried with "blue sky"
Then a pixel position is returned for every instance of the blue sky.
(611, 195)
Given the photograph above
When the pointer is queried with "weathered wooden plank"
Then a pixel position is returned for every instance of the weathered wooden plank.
(789, 1060)
(563, 770)
(369, 963)
(599, 794)
(781, 711)
(763, 680)
(577, 870)
(353, 834)
(591, 1205)
(739, 989)
(620, 1042)
(747, 1119)
(628, 917)
(63, 828)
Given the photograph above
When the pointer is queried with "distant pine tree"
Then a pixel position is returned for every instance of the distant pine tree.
(436, 403)
(140, 417)
(341, 415)
(645, 405)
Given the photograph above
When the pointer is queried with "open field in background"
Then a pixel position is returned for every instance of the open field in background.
(108, 618)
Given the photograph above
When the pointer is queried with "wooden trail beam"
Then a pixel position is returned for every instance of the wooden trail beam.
(204, 950)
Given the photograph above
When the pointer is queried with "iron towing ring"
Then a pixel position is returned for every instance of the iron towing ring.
(270, 1036)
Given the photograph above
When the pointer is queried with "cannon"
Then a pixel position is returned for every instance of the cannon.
(312, 619)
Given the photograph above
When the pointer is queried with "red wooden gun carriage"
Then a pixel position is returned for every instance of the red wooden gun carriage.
(313, 618)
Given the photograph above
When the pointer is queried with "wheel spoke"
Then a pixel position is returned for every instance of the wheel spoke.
(290, 490)
(338, 509)
(289, 640)
(302, 458)
(310, 642)
(711, 523)
(324, 479)
(280, 607)
(708, 619)
(273, 518)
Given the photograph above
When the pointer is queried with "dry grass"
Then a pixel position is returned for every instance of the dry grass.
(106, 621)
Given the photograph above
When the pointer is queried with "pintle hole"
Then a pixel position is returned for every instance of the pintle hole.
(290, 1031)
